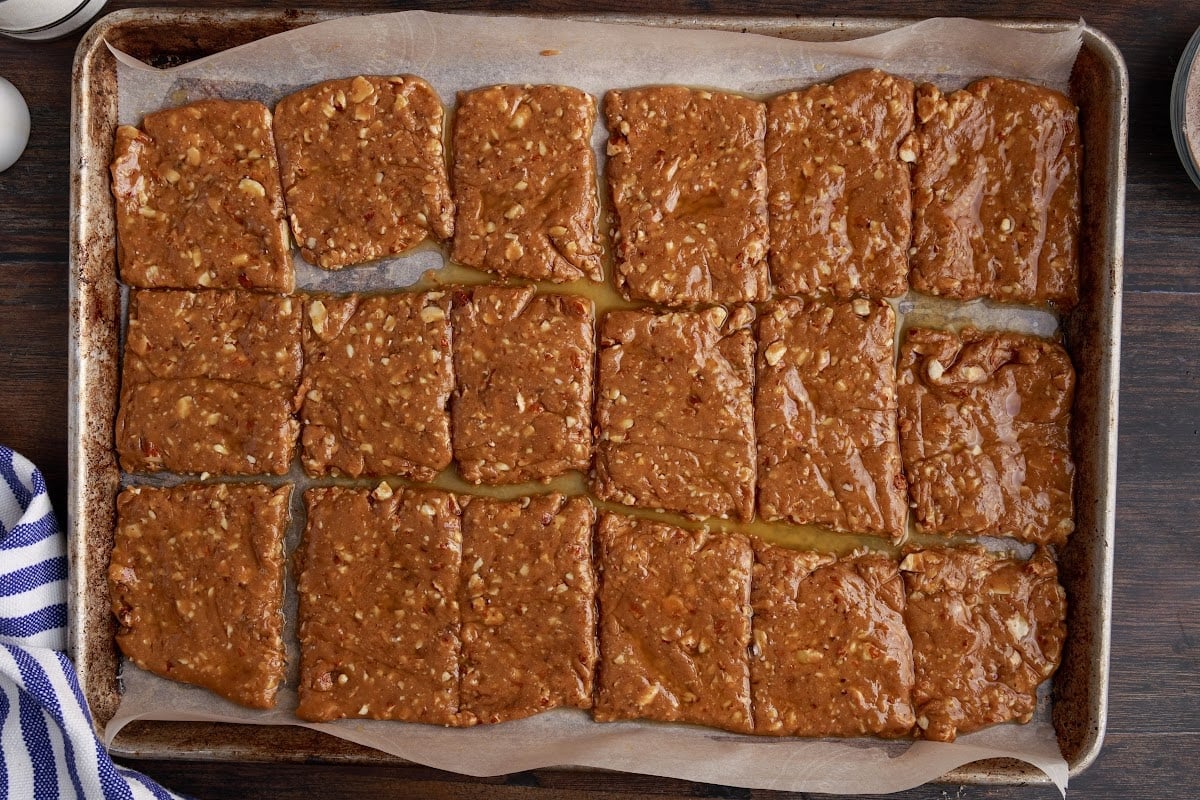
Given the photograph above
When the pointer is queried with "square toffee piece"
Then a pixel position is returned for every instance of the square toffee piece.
(378, 374)
(985, 434)
(528, 600)
(524, 366)
(986, 630)
(674, 624)
(996, 197)
(840, 204)
(825, 413)
(363, 168)
(379, 616)
(196, 578)
(198, 200)
(675, 412)
(830, 654)
(688, 179)
(525, 183)
(209, 383)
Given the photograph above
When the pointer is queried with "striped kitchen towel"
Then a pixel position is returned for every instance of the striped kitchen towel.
(48, 749)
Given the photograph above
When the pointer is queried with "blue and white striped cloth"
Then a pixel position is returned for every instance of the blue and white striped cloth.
(48, 749)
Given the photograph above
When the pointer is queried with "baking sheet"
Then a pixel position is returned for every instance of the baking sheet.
(595, 58)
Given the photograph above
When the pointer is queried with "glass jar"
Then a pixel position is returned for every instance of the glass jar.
(39, 20)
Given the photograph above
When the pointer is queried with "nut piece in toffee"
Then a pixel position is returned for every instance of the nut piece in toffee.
(209, 383)
(674, 624)
(841, 211)
(830, 655)
(996, 197)
(525, 183)
(986, 631)
(363, 168)
(675, 412)
(379, 616)
(524, 366)
(985, 434)
(196, 579)
(688, 180)
(825, 413)
(198, 200)
(528, 598)
(377, 380)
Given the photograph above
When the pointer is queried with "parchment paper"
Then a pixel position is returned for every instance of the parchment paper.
(456, 52)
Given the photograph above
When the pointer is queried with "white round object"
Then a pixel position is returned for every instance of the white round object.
(14, 124)
(39, 20)
(1185, 108)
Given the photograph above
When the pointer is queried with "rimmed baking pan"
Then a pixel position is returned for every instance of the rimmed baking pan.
(164, 37)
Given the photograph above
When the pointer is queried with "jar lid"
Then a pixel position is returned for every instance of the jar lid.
(1185, 108)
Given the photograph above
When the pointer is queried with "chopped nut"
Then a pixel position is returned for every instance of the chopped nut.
(973, 374)
(520, 118)
(317, 314)
(648, 694)
(252, 187)
(361, 89)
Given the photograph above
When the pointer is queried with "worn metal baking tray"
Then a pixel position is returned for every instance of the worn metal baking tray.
(1099, 85)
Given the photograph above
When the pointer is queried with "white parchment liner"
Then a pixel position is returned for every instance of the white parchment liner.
(458, 52)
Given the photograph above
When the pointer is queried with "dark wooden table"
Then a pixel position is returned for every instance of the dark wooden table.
(1153, 743)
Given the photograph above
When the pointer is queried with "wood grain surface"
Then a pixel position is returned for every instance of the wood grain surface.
(1153, 743)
